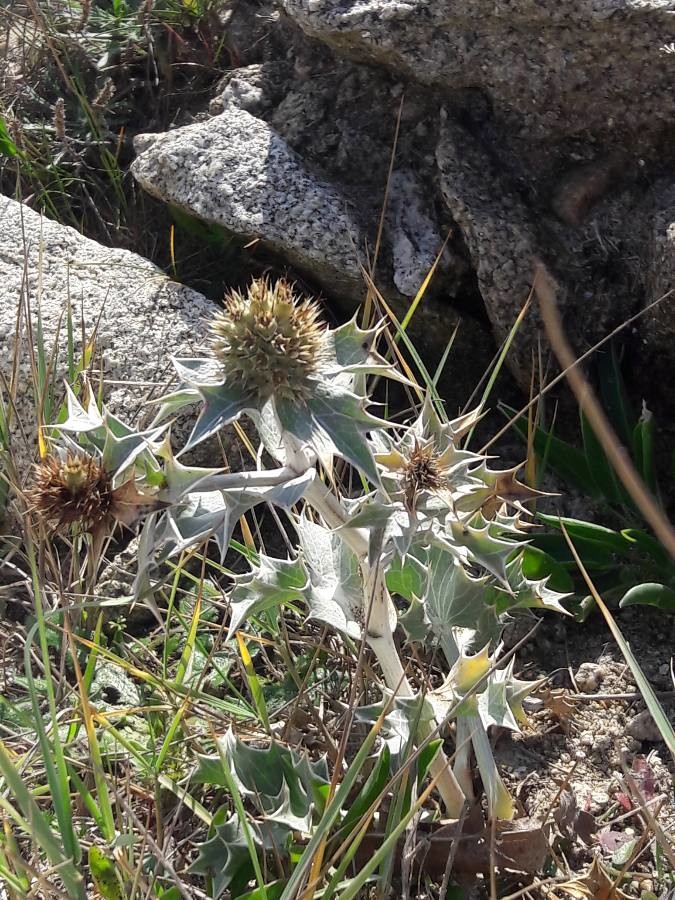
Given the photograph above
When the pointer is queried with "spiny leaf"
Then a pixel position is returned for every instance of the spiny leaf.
(342, 416)
(283, 784)
(223, 403)
(479, 543)
(225, 857)
(401, 723)
(335, 593)
(120, 452)
(273, 583)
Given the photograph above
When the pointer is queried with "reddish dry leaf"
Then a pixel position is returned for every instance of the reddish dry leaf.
(611, 840)
(625, 801)
(644, 776)
(129, 504)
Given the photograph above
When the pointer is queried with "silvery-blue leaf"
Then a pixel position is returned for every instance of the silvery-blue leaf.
(269, 430)
(120, 452)
(343, 418)
(335, 595)
(116, 426)
(180, 480)
(453, 599)
(174, 402)
(414, 621)
(147, 556)
(494, 708)
(80, 420)
(290, 492)
(479, 543)
(295, 417)
(401, 723)
(272, 583)
(205, 515)
(197, 372)
(223, 404)
(351, 344)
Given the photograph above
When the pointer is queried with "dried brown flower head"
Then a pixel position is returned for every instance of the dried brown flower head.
(269, 340)
(422, 472)
(77, 490)
(74, 490)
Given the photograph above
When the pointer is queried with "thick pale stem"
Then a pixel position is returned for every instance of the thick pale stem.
(381, 617)
(244, 480)
(381, 640)
(462, 765)
(335, 516)
(500, 804)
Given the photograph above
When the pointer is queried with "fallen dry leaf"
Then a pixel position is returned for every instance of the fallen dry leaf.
(520, 846)
(558, 702)
(573, 822)
(596, 884)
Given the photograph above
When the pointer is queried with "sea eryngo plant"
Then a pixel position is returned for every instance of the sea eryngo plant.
(437, 525)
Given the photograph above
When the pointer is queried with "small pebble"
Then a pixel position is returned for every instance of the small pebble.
(589, 677)
(599, 802)
(643, 728)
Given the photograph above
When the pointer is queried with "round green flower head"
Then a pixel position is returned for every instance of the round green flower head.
(268, 341)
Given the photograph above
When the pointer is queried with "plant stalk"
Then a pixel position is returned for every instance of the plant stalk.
(380, 621)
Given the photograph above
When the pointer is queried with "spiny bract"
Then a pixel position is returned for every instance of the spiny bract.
(269, 340)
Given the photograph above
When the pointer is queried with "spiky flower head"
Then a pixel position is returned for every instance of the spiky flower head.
(269, 340)
(303, 384)
(75, 490)
(422, 471)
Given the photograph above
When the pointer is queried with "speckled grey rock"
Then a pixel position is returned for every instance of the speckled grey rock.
(548, 67)
(412, 232)
(140, 316)
(498, 234)
(235, 171)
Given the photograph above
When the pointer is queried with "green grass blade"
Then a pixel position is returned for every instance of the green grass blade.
(614, 396)
(253, 683)
(35, 824)
(385, 851)
(494, 374)
(643, 450)
(565, 459)
(52, 750)
(332, 812)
